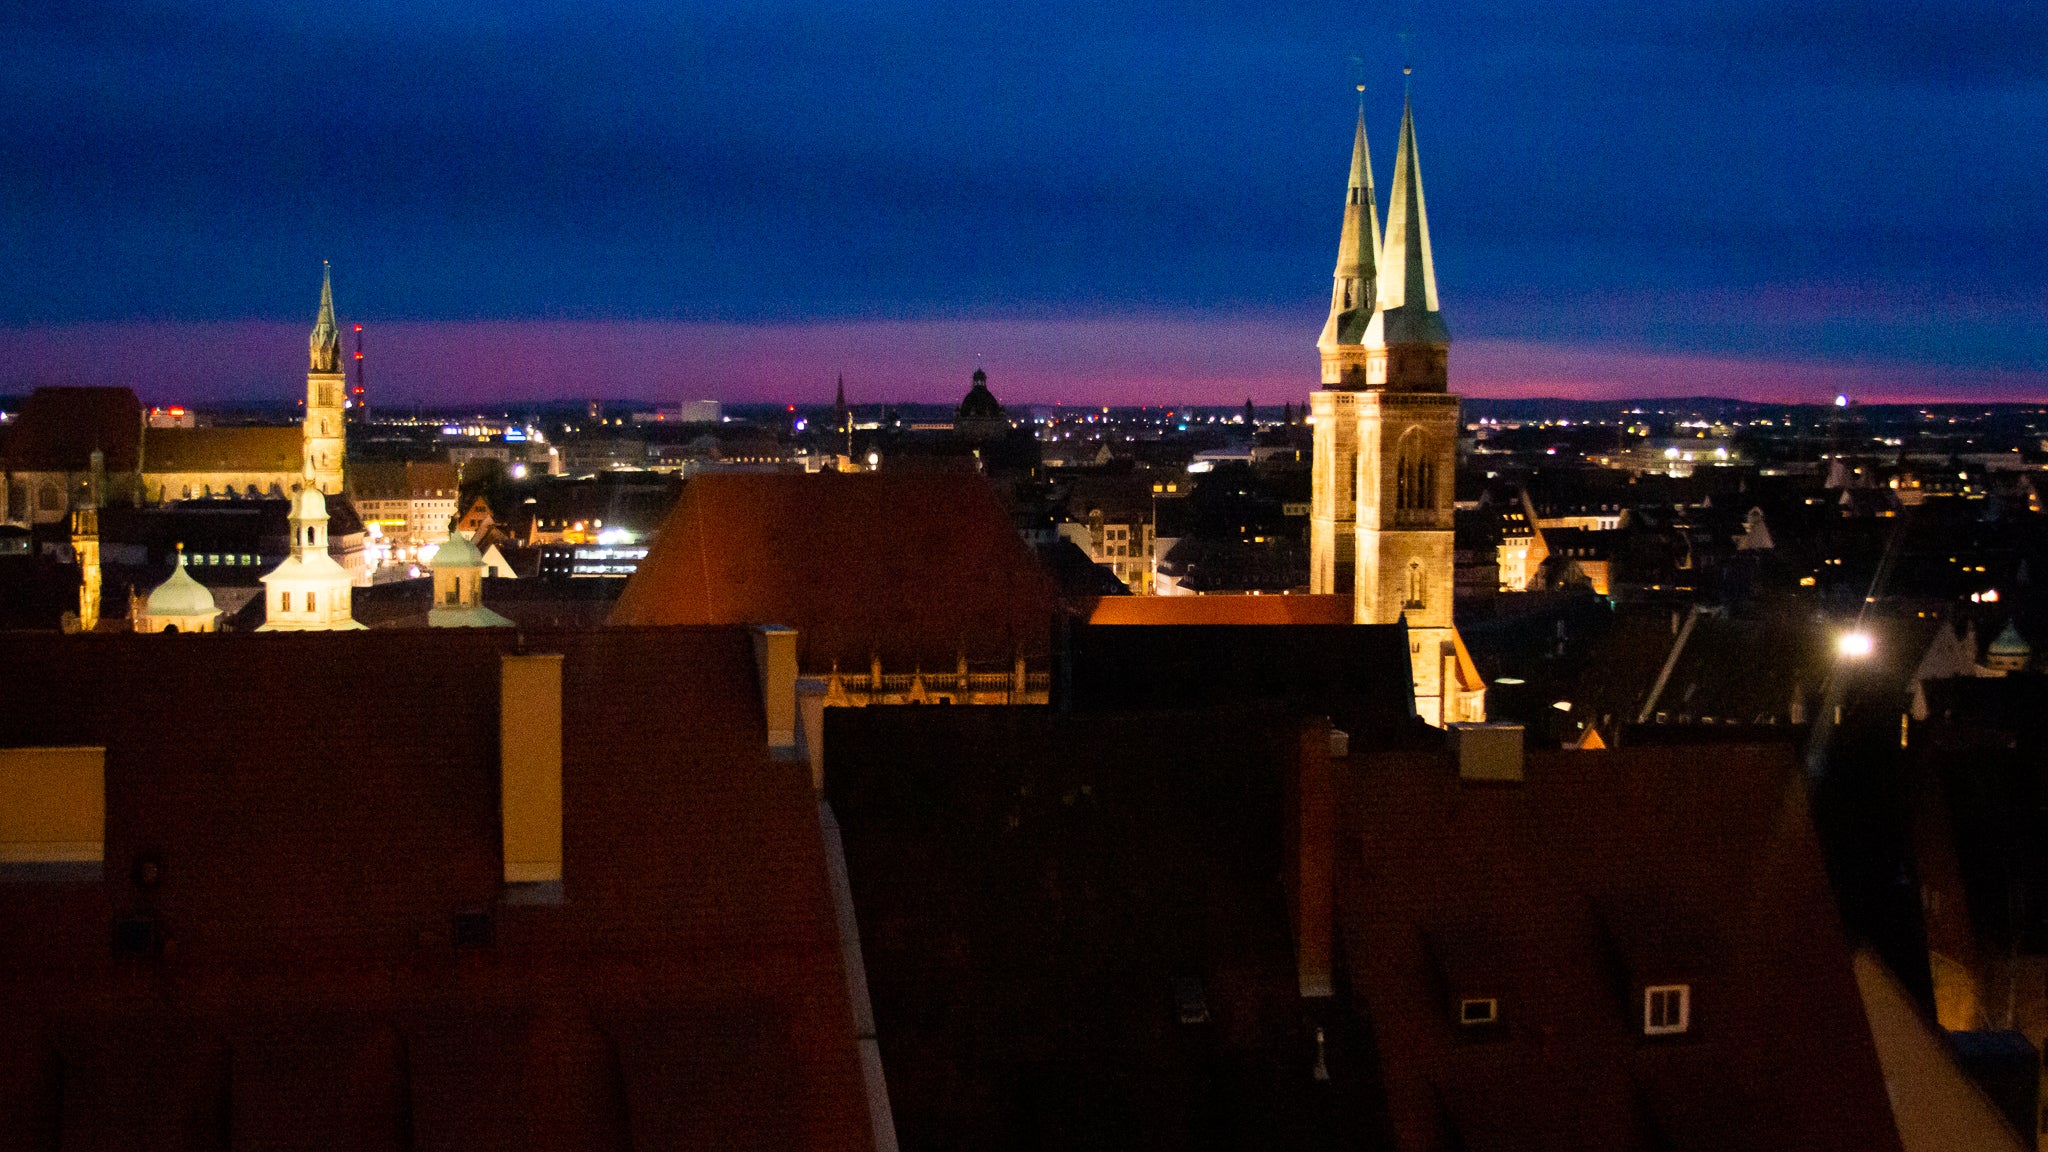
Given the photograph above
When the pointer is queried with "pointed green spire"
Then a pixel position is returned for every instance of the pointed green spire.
(325, 343)
(1358, 249)
(1407, 296)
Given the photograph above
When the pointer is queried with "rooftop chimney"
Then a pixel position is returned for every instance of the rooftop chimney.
(1312, 836)
(530, 766)
(775, 657)
(1488, 752)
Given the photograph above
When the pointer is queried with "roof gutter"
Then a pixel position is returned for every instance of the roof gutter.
(1670, 662)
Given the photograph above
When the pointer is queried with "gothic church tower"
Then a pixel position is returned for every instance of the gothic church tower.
(322, 432)
(1332, 544)
(1386, 449)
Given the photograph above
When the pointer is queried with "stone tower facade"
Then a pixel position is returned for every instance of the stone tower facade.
(1386, 442)
(1333, 546)
(323, 430)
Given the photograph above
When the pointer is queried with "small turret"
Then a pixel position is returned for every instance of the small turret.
(980, 417)
(458, 588)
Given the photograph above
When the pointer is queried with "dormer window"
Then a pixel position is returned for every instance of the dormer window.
(1476, 1011)
(1667, 1009)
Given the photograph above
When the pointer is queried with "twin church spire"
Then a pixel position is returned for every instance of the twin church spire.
(1358, 251)
(1385, 287)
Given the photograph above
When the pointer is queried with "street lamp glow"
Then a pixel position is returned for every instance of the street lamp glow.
(1854, 645)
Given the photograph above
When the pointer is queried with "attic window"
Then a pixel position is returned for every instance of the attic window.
(1667, 1009)
(1477, 1011)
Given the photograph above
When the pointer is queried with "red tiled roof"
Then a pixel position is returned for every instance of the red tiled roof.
(1600, 871)
(223, 450)
(1220, 610)
(58, 428)
(913, 567)
(686, 993)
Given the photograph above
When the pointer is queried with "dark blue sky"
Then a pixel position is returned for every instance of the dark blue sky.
(1813, 180)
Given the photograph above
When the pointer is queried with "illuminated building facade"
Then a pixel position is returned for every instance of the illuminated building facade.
(1386, 427)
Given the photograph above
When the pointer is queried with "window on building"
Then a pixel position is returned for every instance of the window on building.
(1667, 1009)
(454, 594)
(1478, 1010)
(309, 601)
(284, 601)
(1414, 584)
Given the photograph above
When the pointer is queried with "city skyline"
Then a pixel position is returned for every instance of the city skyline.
(1102, 207)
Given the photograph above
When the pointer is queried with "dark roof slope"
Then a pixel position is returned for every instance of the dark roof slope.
(913, 567)
(1075, 931)
(1562, 896)
(58, 428)
(312, 989)
(1357, 675)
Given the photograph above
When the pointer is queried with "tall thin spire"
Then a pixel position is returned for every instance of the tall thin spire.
(1353, 290)
(325, 343)
(1408, 312)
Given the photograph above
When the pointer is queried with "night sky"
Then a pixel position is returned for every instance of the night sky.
(1104, 202)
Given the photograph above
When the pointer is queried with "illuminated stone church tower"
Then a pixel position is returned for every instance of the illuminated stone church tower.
(1386, 439)
(1332, 511)
(322, 431)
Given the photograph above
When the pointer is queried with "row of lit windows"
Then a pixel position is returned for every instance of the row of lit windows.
(222, 559)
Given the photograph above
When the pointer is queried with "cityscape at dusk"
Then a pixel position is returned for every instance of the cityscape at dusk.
(809, 578)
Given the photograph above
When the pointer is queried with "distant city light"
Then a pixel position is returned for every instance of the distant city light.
(1855, 645)
(1562, 705)
(1841, 401)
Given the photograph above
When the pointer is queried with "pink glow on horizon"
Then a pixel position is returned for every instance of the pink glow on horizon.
(1177, 359)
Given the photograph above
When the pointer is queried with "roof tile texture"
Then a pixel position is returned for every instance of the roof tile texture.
(1599, 873)
(687, 991)
(916, 568)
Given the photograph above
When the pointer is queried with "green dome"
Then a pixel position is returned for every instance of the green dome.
(458, 552)
(181, 595)
(2011, 643)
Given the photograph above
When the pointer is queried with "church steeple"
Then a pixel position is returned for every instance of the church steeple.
(322, 435)
(1408, 312)
(325, 342)
(1353, 290)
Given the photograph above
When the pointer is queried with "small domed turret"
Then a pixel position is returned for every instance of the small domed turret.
(980, 418)
(179, 604)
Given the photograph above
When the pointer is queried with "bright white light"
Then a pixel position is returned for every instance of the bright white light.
(519, 471)
(1855, 645)
(1507, 680)
(615, 536)
(1563, 705)
(1841, 401)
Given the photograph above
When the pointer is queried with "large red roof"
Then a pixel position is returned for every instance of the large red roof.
(324, 806)
(1560, 896)
(1319, 609)
(917, 568)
